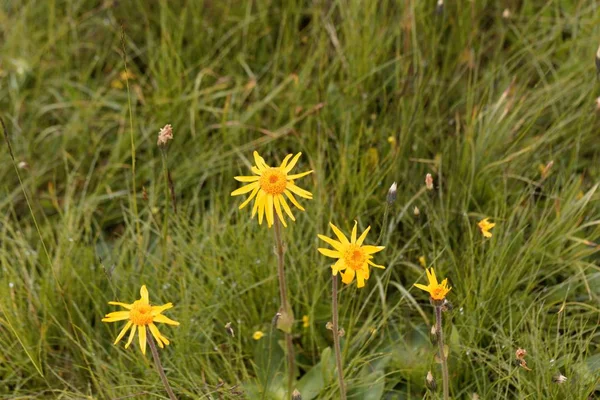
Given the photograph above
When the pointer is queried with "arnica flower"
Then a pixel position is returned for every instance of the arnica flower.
(257, 335)
(140, 314)
(485, 225)
(437, 291)
(269, 185)
(354, 258)
(305, 321)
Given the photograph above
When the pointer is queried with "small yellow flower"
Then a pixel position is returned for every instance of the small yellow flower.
(305, 321)
(437, 291)
(141, 316)
(257, 335)
(269, 185)
(422, 261)
(354, 258)
(485, 225)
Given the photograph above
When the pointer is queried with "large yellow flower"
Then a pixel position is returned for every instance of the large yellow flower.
(354, 258)
(269, 185)
(140, 314)
(437, 291)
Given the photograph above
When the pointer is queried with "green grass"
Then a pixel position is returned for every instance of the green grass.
(335, 80)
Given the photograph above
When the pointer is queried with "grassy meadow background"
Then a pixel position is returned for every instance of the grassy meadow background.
(371, 92)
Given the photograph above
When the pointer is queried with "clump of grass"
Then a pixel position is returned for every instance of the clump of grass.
(477, 100)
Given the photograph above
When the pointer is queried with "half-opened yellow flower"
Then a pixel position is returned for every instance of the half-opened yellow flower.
(140, 314)
(485, 225)
(437, 291)
(354, 258)
(269, 185)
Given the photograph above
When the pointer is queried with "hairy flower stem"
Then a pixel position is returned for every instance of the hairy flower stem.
(286, 309)
(159, 367)
(442, 354)
(336, 337)
(165, 227)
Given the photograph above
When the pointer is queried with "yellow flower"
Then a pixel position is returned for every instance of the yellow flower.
(485, 225)
(140, 314)
(437, 291)
(305, 321)
(354, 258)
(268, 185)
(257, 335)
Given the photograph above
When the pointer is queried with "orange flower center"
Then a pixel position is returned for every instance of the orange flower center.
(438, 293)
(273, 181)
(354, 257)
(140, 314)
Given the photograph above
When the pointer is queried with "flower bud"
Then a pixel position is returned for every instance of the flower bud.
(429, 182)
(229, 329)
(560, 378)
(430, 382)
(416, 211)
(598, 60)
(165, 135)
(433, 335)
(391, 196)
(296, 395)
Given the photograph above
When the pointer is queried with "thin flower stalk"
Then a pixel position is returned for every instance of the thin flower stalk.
(437, 292)
(159, 367)
(286, 319)
(442, 353)
(336, 337)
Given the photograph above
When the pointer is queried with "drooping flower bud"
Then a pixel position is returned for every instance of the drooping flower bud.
(391, 196)
(430, 382)
(429, 182)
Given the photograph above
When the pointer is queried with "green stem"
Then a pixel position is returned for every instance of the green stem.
(336, 338)
(159, 367)
(165, 227)
(285, 304)
(442, 354)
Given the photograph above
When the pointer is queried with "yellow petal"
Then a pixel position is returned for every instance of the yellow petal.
(246, 178)
(124, 305)
(360, 278)
(343, 239)
(286, 207)
(142, 338)
(347, 276)
(353, 234)
(154, 331)
(285, 161)
(144, 294)
(372, 249)
(257, 203)
(293, 200)
(298, 176)
(262, 199)
(131, 335)
(375, 265)
(278, 210)
(158, 309)
(432, 278)
(269, 210)
(116, 316)
(292, 164)
(165, 320)
(123, 331)
(487, 234)
(300, 192)
(334, 243)
(260, 162)
(256, 189)
(362, 237)
(422, 287)
(245, 189)
(330, 253)
(340, 265)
